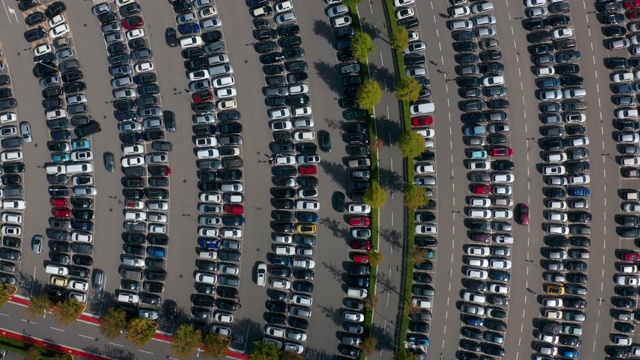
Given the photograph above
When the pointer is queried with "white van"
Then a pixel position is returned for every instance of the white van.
(357, 293)
(56, 269)
(422, 108)
(80, 168)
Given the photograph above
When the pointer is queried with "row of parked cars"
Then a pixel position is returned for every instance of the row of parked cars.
(294, 169)
(70, 172)
(624, 34)
(140, 120)
(566, 172)
(12, 190)
(217, 144)
(490, 209)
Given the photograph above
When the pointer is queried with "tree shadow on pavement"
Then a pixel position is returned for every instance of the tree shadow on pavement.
(322, 29)
(114, 352)
(373, 31)
(332, 313)
(384, 76)
(334, 270)
(30, 286)
(385, 340)
(334, 124)
(390, 128)
(337, 172)
(100, 302)
(245, 330)
(388, 285)
(390, 179)
(317, 354)
(393, 237)
(335, 227)
(329, 75)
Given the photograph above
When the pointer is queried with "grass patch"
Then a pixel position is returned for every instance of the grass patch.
(19, 347)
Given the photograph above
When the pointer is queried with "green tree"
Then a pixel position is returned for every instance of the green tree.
(375, 196)
(262, 351)
(408, 89)
(5, 294)
(369, 94)
(140, 331)
(400, 38)
(186, 340)
(68, 311)
(368, 345)
(375, 258)
(411, 144)
(350, 2)
(114, 322)
(402, 354)
(215, 346)
(39, 304)
(33, 353)
(362, 46)
(415, 197)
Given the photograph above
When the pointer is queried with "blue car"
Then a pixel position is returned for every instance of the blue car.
(281, 260)
(156, 251)
(78, 144)
(60, 157)
(569, 353)
(208, 243)
(418, 340)
(60, 134)
(233, 220)
(82, 225)
(473, 321)
(189, 28)
(307, 217)
(474, 130)
(58, 191)
(579, 191)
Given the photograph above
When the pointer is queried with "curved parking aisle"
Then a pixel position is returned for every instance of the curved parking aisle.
(11, 248)
(565, 170)
(145, 160)
(220, 174)
(63, 94)
(294, 188)
(623, 34)
(489, 205)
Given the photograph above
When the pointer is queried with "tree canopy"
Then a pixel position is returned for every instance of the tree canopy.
(375, 196)
(415, 197)
(140, 331)
(411, 144)
(400, 38)
(186, 340)
(408, 89)
(215, 346)
(114, 322)
(39, 304)
(68, 311)
(262, 351)
(362, 46)
(369, 94)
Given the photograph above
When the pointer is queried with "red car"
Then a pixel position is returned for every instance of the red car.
(61, 213)
(633, 14)
(59, 202)
(234, 209)
(481, 189)
(629, 256)
(307, 170)
(422, 121)
(502, 151)
(630, 4)
(523, 214)
(361, 258)
(359, 221)
(133, 22)
(203, 96)
(360, 245)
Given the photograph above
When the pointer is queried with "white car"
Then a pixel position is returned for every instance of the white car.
(208, 153)
(223, 317)
(549, 94)
(626, 113)
(83, 155)
(476, 273)
(404, 13)
(199, 75)
(398, 3)
(336, 10)
(578, 180)
(459, 11)
(125, 94)
(502, 214)
(284, 160)
(157, 159)
(535, 3)
(283, 6)
(498, 288)
(284, 17)
(629, 280)
(359, 209)
(191, 41)
(557, 229)
(415, 46)
(59, 30)
(307, 205)
(302, 111)
(556, 216)
(461, 25)
(129, 161)
(353, 316)
(426, 229)
(285, 249)
(624, 76)
(628, 137)
(42, 49)
(227, 105)
(479, 201)
(477, 250)
(474, 297)
(298, 89)
(8, 156)
(281, 125)
(281, 284)
(341, 21)
(502, 264)
(226, 93)
(56, 20)
(308, 159)
(261, 274)
(492, 80)
(562, 33)
(481, 7)
(135, 33)
(304, 135)
(553, 170)
(223, 82)
(143, 67)
(275, 114)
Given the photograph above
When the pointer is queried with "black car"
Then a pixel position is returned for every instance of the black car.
(265, 34)
(409, 23)
(35, 34)
(271, 58)
(35, 18)
(539, 37)
(490, 55)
